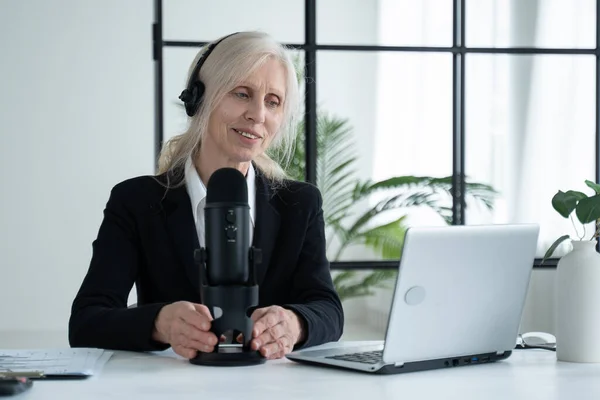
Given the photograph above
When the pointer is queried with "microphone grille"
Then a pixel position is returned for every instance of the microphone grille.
(227, 185)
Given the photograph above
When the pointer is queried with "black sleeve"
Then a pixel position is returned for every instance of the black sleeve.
(314, 297)
(99, 315)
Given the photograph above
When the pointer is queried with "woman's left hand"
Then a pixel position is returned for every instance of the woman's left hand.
(276, 331)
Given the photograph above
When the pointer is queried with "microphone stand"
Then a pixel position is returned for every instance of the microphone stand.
(229, 305)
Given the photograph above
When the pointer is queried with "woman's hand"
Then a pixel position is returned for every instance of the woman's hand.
(276, 331)
(186, 327)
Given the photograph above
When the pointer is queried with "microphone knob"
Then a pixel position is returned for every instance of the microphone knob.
(230, 232)
(230, 218)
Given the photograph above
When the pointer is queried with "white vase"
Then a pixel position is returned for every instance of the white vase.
(578, 304)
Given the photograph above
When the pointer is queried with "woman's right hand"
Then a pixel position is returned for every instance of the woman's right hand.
(186, 327)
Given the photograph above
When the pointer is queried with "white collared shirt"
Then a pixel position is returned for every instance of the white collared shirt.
(197, 192)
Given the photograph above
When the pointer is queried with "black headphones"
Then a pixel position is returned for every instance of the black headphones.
(192, 95)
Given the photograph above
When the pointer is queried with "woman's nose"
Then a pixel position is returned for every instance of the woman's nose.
(256, 112)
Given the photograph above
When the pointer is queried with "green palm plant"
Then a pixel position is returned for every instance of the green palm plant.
(341, 189)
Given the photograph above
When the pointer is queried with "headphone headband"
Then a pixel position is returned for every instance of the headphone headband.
(193, 93)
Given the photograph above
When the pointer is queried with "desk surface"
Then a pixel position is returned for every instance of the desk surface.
(527, 374)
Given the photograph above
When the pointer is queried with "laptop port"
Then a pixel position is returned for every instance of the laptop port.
(455, 362)
(474, 359)
(467, 361)
(485, 359)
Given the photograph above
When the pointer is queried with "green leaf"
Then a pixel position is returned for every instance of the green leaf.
(401, 200)
(553, 247)
(386, 239)
(398, 182)
(343, 276)
(481, 193)
(588, 209)
(335, 164)
(565, 203)
(593, 185)
(376, 279)
(578, 195)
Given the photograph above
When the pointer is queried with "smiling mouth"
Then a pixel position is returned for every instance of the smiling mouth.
(246, 134)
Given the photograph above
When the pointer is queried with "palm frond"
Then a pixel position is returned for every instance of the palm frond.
(348, 286)
(342, 277)
(398, 182)
(402, 200)
(386, 239)
(336, 158)
(335, 165)
(337, 207)
(480, 192)
(389, 203)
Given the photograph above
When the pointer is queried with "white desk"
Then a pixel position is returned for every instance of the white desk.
(527, 374)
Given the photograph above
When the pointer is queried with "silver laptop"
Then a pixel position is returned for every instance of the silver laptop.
(458, 301)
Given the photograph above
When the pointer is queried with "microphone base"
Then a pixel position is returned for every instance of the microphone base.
(234, 359)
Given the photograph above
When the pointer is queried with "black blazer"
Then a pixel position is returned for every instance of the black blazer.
(148, 237)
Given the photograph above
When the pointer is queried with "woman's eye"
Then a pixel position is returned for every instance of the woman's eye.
(241, 95)
(273, 103)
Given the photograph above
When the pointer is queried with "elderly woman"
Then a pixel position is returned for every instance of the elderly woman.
(242, 99)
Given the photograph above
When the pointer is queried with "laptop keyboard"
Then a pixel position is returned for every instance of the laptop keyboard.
(367, 357)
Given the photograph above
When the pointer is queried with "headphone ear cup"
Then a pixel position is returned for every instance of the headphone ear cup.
(192, 97)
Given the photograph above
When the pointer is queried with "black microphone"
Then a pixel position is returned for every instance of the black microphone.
(227, 264)
(227, 228)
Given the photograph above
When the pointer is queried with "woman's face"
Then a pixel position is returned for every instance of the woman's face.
(245, 121)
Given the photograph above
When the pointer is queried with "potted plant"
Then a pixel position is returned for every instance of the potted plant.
(578, 279)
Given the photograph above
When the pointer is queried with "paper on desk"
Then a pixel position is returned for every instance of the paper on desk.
(78, 361)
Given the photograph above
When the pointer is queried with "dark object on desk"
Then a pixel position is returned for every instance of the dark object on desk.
(35, 375)
(227, 268)
(14, 385)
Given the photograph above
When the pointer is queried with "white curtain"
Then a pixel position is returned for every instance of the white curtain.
(553, 140)
(529, 118)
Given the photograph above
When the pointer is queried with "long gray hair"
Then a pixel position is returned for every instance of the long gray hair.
(231, 62)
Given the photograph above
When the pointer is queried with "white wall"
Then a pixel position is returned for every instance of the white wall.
(76, 117)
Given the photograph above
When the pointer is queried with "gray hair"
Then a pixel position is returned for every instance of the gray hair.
(231, 62)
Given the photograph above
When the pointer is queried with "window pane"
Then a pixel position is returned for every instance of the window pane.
(396, 119)
(530, 132)
(385, 22)
(542, 23)
(196, 20)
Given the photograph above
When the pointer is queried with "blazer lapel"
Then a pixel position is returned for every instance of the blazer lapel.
(267, 224)
(182, 231)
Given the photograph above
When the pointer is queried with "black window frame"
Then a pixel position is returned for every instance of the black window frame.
(311, 48)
